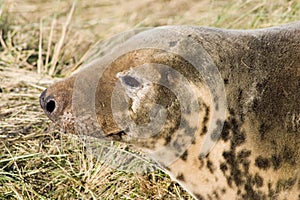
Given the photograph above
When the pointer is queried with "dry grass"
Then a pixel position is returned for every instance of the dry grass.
(41, 41)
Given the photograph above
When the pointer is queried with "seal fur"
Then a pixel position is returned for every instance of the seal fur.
(258, 153)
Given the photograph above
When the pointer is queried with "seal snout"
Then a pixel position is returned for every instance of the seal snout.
(47, 103)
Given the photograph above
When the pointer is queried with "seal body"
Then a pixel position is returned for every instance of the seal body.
(256, 150)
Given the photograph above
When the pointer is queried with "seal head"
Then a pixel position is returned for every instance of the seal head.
(56, 103)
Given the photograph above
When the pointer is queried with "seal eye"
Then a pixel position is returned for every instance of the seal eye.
(50, 106)
(131, 81)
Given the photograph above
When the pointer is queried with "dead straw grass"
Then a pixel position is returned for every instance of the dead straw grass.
(43, 41)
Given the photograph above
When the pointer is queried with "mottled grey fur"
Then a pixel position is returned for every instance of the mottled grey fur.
(257, 155)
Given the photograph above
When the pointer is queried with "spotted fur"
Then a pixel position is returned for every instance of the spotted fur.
(257, 155)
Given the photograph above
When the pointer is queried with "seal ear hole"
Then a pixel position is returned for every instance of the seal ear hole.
(50, 106)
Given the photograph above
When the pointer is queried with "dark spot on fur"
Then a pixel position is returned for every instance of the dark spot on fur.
(223, 167)
(168, 139)
(210, 166)
(209, 197)
(235, 172)
(262, 130)
(205, 120)
(243, 154)
(184, 155)
(229, 181)
(237, 163)
(276, 161)
(288, 156)
(262, 163)
(250, 188)
(177, 145)
(231, 111)
(172, 43)
(199, 196)
(180, 177)
(285, 184)
(202, 155)
(234, 124)
(225, 131)
(216, 133)
(255, 107)
(240, 95)
(258, 180)
(201, 164)
(226, 81)
(216, 98)
(271, 193)
(242, 158)
(223, 191)
(216, 102)
(189, 131)
(261, 85)
(251, 194)
(238, 139)
(193, 141)
(237, 176)
(204, 130)
(216, 195)
(229, 156)
(246, 164)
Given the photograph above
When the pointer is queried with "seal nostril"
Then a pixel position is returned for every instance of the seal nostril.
(50, 106)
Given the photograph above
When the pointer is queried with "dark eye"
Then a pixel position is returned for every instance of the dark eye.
(129, 80)
(50, 106)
